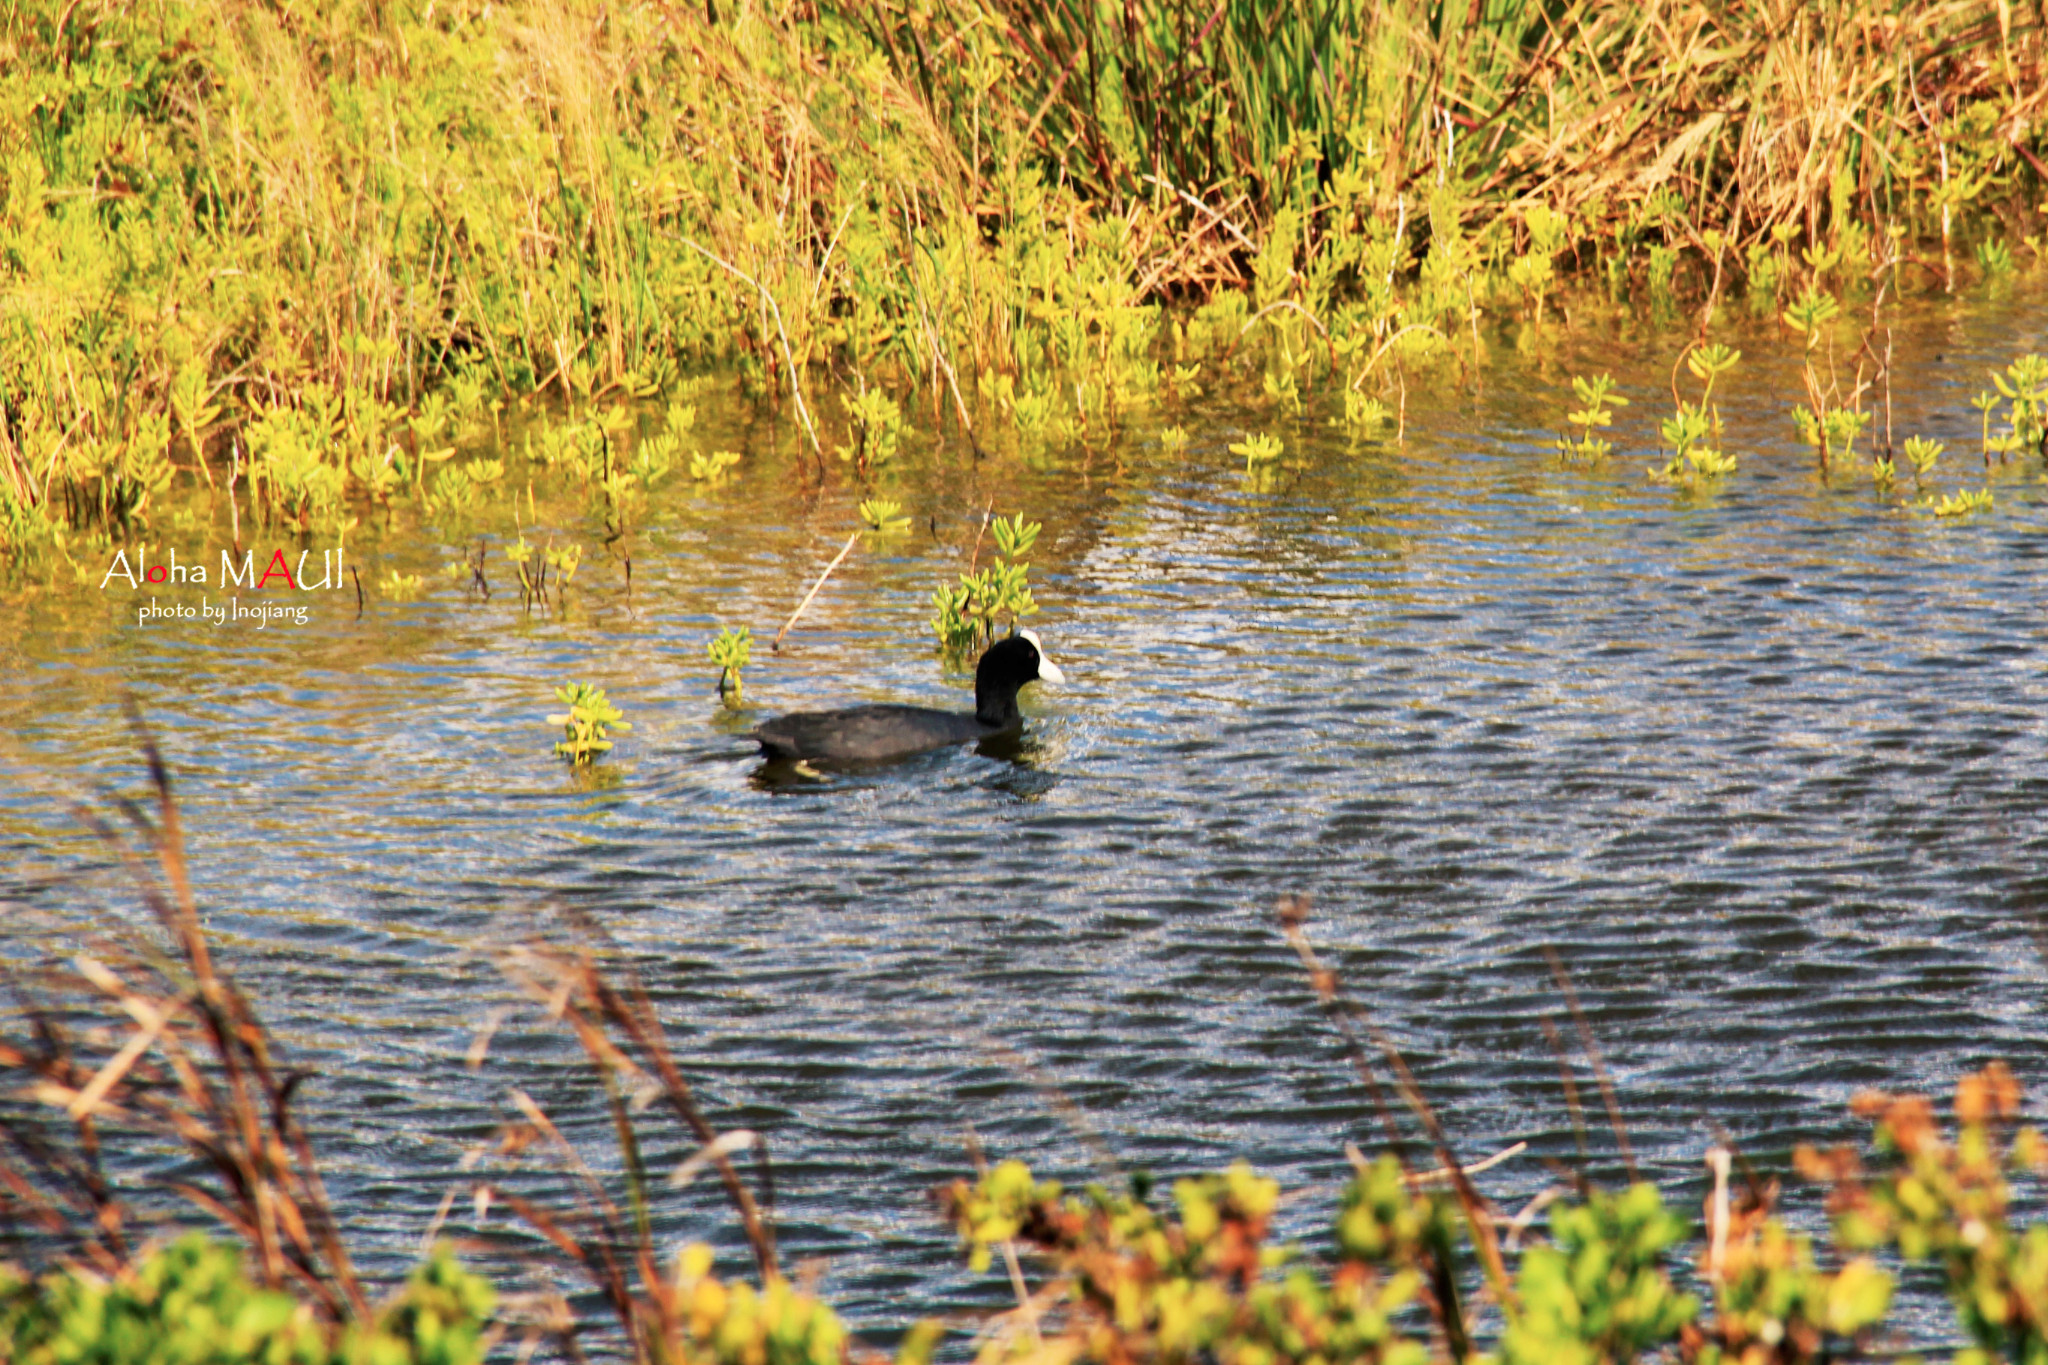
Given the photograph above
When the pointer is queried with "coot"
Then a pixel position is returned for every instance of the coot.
(876, 734)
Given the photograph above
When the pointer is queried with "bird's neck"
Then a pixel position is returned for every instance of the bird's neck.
(996, 707)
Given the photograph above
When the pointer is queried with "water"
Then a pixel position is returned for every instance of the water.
(1765, 767)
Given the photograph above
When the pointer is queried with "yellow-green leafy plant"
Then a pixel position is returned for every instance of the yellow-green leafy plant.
(733, 1323)
(877, 423)
(2025, 386)
(1694, 429)
(730, 649)
(1829, 422)
(588, 724)
(1191, 1281)
(1258, 449)
(192, 1300)
(966, 614)
(713, 467)
(1922, 454)
(883, 517)
(1533, 271)
(1961, 503)
(1597, 401)
(1599, 1292)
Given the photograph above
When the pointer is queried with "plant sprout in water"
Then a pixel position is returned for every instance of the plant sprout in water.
(1921, 453)
(883, 517)
(730, 649)
(877, 423)
(2025, 384)
(1257, 450)
(587, 724)
(1597, 401)
(564, 561)
(712, 468)
(1363, 414)
(966, 614)
(1962, 504)
(1694, 461)
(1985, 402)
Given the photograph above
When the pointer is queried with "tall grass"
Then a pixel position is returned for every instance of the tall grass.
(300, 249)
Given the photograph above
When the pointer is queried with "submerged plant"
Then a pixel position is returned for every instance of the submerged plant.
(966, 614)
(1533, 271)
(1597, 401)
(730, 649)
(1363, 414)
(564, 562)
(1962, 503)
(1694, 429)
(1257, 449)
(713, 467)
(1831, 434)
(1921, 454)
(877, 427)
(1830, 421)
(588, 723)
(883, 517)
(1986, 403)
(2025, 385)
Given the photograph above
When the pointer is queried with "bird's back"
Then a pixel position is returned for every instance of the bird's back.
(865, 734)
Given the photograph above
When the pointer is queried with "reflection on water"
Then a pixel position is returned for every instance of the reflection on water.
(1766, 767)
(1016, 763)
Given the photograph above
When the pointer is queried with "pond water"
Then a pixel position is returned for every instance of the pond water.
(1768, 768)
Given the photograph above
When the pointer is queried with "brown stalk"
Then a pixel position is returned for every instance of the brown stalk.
(1571, 1087)
(1592, 1049)
(596, 1210)
(637, 1020)
(1293, 915)
(224, 1102)
(572, 985)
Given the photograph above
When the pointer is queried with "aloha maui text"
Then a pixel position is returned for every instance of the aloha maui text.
(279, 570)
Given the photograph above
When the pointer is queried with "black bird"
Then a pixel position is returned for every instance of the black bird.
(877, 734)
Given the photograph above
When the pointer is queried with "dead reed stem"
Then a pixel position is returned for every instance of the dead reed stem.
(1592, 1047)
(197, 1069)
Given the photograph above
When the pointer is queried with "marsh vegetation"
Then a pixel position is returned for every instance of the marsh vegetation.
(299, 259)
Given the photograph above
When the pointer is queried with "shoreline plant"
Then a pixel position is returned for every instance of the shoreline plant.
(297, 258)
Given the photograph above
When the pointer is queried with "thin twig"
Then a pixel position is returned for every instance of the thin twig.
(1592, 1047)
(844, 550)
(782, 334)
(1571, 1089)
